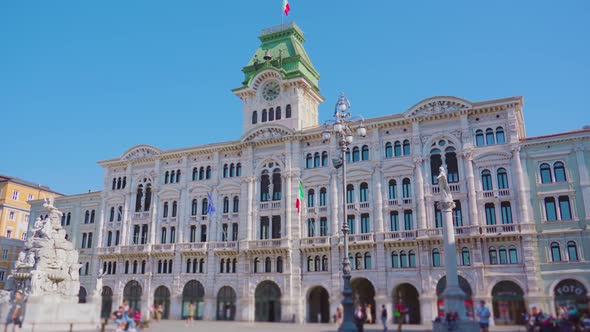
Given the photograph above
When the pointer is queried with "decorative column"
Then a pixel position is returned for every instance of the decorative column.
(335, 229)
(250, 209)
(288, 205)
(420, 192)
(473, 220)
(378, 208)
(520, 184)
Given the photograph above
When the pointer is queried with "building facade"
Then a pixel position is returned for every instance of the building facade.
(256, 258)
(14, 217)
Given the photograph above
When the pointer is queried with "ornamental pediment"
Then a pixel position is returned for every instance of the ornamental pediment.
(266, 133)
(139, 152)
(437, 105)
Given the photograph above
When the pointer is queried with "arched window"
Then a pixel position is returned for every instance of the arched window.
(394, 221)
(545, 170)
(288, 111)
(87, 217)
(208, 173)
(316, 263)
(166, 177)
(323, 197)
(256, 263)
(177, 176)
(550, 209)
(225, 170)
(264, 186)
(194, 207)
(172, 176)
(308, 161)
(572, 251)
(565, 211)
(163, 235)
(309, 264)
(500, 139)
(114, 183)
(234, 263)
(126, 267)
(368, 263)
(276, 184)
(264, 115)
(148, 197)
(271, 114)
(503, 255)
(350, 193)
(236, 204)
(204, 204)
(435, 257)
(502, 178)
(411, 258)
(486, 180)
(174, 209)
(324, 159)
(555, 252)
(226, 204)
(119, 183)
(489, 136)
(397, 149)
(267, 265)
(394, 259)
(134, 267)
(403, 259)
(202, 173)
(311, 227)
(324, 263)
(279, 264)
(388, 150)
(365, 152)
(238, 169)
(490, 211)
(195, 173)
(310, 198)
(165, 210)
(358, 261)
(506, 210)
(124, 182)
(278, 113)
(193, 234)
(408, 220)
(457, 214)
(355, 154)
(452, 165)
(479, 138)
(435, 164)
(254, 117)
(406, 188)
(559, 172)
(465, 259)
(437, 216)
(406, 147)
(68, 218)
(188, 265)
(221, 265)
(493, 255)
(316, 160)
(392, 192)
(232, 170)
(364, 192)
(111, 217)
(512, 255)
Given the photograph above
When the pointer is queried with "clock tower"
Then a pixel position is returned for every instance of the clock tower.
(280, 86)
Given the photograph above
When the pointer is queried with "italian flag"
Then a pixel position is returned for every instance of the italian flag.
(286, 7)
(300, 197)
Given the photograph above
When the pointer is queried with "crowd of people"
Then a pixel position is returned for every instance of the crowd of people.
(567, 319)
(128, 320)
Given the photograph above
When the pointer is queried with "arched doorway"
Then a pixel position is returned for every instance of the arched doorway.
(107, 302)
(464, 285)
(318, 305)
(193, 292)
(363, 293)
(162, 297)
(571, 292)
(408, 295)
(82, 295)
(226, 303)
(267, 298)
(508, 303)
(132, 294)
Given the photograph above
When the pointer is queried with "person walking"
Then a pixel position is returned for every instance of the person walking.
(17, 310)
(483, 313)
(369, 314)
(384, 317)
(359, 318)
(400, 313)
(191, 314)
(159, 311)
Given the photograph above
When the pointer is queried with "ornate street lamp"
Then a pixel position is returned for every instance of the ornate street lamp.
(344, 126)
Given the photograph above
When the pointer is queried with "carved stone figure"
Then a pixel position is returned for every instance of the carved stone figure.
(444, 185)
(22, 259)
(31, 259)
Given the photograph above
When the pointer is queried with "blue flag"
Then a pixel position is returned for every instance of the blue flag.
(210, 206)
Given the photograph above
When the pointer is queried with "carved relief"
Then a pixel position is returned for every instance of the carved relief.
(140, 152)
(266, 133)
(437, 106)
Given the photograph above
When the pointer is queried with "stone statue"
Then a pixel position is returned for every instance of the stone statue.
(98, 288)
(444, 185)
(38, 226)
(31, 259)
(22, 259)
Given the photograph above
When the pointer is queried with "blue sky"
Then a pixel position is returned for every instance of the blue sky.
(82, 81)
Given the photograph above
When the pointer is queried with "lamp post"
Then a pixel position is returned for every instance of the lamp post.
(344, 126)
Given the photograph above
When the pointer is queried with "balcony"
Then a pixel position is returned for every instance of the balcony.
(311, 210)
(168, 247)
(400, 235)
(192, 246)
(453, 187)
(350, 206)
(144, 215)
(266, 246)
(495, 193)
(224, 246)
(271, 205)
(135, 249)
(360, 238)
(467, 230)
(364, 205)
(430, 232)
(108, 250)
(323, 209)
(499, 229)
(317, 241)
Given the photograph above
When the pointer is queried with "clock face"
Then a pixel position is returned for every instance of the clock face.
(271, 90)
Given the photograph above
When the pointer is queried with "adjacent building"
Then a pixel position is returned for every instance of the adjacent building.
(14, 217)
(257, 258)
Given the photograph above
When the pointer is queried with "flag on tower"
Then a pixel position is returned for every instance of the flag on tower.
(286, 7)
(300, 197)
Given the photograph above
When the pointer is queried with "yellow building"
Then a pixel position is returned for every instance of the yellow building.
(14, 217)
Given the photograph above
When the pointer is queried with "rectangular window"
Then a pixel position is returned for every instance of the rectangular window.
(203, 233)
(365, 223)
(84, 238)
(437, 216)
(323, 200)
(351, 223)
(224, 229)
(29, 197)
(4, 254)
(9, 233)
(23, 237)
(27, 218)
(323, 226)
(506, 213)
(117, 233)
(564, 208)
(408, 220)
(2, 275)
(15, 195)
(89, 240)
(11, 215)
(490, 211)
(234, 232)
(276, 227)
(550, 210)
(264, 228)
(310, 227)
(394, 221)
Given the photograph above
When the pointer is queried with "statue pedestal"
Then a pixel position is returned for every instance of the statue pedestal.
(46, 313)
(460, 326)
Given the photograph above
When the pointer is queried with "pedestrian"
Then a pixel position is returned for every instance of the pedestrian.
(483, 313)
(359, 318)
(400, 313)
(17, 310)
(384, 317)
(118, 319)
(369, 314)
(338, 316)
(191, 314)
(159, 311)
